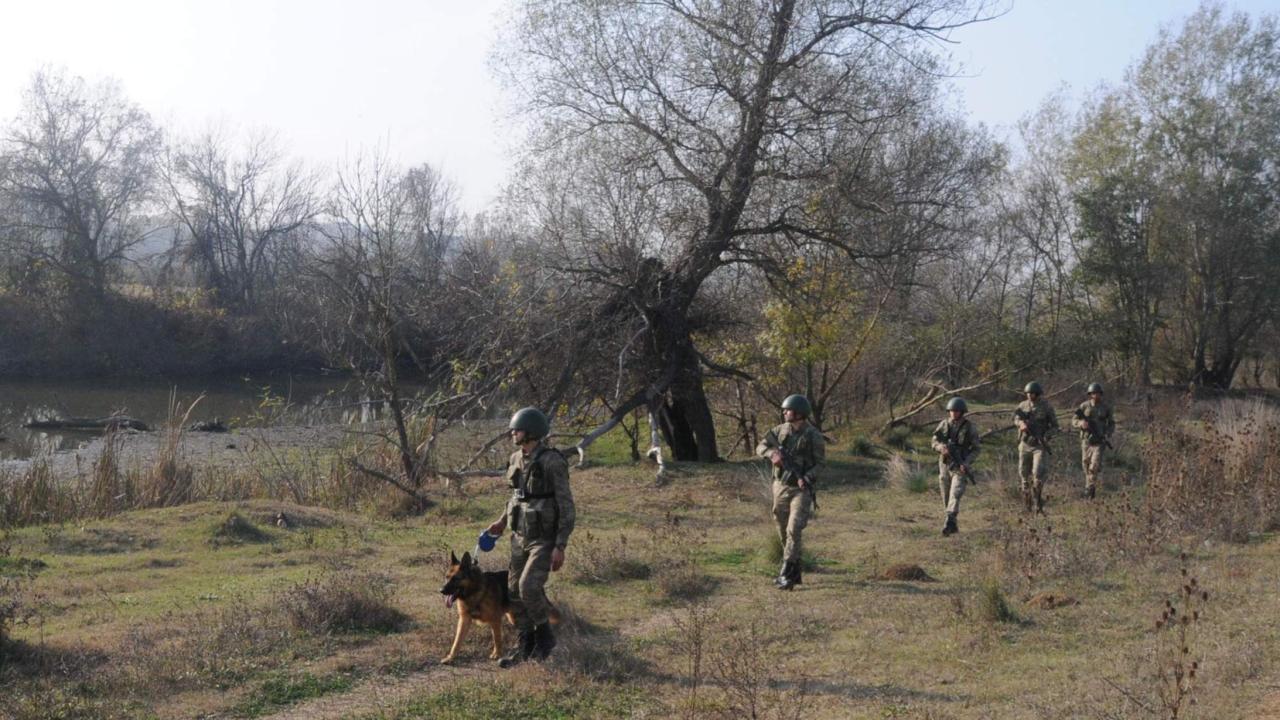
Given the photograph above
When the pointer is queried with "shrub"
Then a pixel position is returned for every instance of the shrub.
(906, 474)
(600, 562)
(992, 605)
(343, 602)
(1216, 477)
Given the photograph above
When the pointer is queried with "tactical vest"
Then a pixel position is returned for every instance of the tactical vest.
(535, 514)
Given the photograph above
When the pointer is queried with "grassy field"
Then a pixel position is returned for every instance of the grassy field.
(214, 610)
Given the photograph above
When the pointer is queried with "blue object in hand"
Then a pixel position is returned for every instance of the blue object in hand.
(486, 542)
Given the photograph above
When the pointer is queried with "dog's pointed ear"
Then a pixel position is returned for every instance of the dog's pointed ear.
(466, 559)
(453, 558)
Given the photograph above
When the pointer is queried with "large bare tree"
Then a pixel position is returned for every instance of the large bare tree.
(739, 124)
(236, 209)
(80, 161)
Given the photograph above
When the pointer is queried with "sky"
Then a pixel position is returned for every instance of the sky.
(333, 78)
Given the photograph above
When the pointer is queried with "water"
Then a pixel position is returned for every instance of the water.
(237, 401)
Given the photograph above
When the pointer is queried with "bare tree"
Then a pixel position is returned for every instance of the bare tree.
(236, 210)
(80, 159)
(741, 122)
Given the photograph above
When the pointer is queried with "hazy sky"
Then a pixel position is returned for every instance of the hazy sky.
(332, 77)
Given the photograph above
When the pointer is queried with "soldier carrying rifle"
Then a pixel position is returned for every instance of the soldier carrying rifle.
(957, 444)
(1096, 423)
(796, 449)
(1036, 423)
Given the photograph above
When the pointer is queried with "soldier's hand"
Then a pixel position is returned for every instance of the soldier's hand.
(775, 457)
(557, 559)
(1022, 425)
(497, 528)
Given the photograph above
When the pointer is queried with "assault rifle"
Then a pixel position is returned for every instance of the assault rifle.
(792, 470)
(1095, 437)
(1038, 437)
(956, 459)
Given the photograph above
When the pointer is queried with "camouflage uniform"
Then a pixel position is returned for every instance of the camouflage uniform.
(1033, 461)
(1091, 446)
(540, 514)
(963, 435)
(792, 505)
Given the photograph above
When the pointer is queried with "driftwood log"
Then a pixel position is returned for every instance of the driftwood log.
(114, 422)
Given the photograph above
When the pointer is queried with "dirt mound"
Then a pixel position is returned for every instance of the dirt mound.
(236, 530)
(1051, 601)
(288, 515)
(906, 573)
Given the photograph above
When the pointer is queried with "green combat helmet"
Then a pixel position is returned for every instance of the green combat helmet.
(798, 403)
(958, 403)
(1094, 388)
(1033, 387)
(532, 421)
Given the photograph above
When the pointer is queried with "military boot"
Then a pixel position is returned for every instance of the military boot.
(783, 573)
(1027, 499)
(544, 641)
(523, 650)
(950, 528)
(1090, 492)
(1039, 501)
(790, 576)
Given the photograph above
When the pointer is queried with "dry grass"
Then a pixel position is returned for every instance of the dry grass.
(343, 602)
(142, 617)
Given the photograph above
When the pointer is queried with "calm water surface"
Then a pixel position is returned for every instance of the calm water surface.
(234, 400)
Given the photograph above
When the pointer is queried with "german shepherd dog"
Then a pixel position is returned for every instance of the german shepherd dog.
(479, 595)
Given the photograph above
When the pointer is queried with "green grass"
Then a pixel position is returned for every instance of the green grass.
(865, 647)
(280, 691)
(499, 700)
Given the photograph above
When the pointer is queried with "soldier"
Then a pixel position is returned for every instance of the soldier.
(796, 448)
(541, 514)
(1036, 423)
(1096, 422)
(957, 443)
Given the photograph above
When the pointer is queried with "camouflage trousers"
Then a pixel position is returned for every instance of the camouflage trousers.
(1091, 462)
(1033, 466)
(952, 484)
(527, 579)
(792, 507)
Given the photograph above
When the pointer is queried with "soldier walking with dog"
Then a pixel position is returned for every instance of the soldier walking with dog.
(796, 449)
(956, 440)
(541, 516)
(1096, 423)
(1036, 423)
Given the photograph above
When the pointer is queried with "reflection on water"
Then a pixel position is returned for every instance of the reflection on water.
(237, 401)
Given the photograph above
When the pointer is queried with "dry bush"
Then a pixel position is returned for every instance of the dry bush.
(213, 648)
(733, 669)
(1218, 476)
(16, 595)
(992, 605)
(591, 652)
(31, 495)
(906, 474)
(605, 562)
(346, 601)
(1031, 550)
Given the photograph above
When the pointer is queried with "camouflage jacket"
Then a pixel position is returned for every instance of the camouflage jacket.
(962, 434)
(1043, 421)
(541, 507)
(1103, 419)
(806, 448)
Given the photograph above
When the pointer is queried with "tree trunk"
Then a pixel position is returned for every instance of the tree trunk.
(687, 423)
